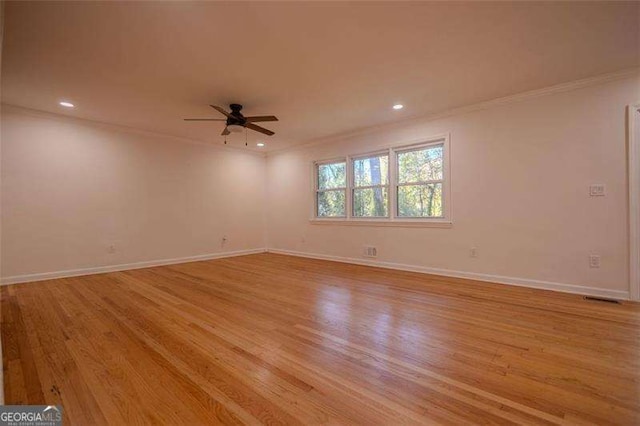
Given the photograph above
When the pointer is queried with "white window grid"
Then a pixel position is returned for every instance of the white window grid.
(393, 182)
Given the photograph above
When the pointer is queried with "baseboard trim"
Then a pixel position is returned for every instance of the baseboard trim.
(499, 279)
(17, 279)
(520, 282)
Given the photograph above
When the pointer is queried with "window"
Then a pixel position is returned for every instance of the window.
(371, 186)
(331, 189)
(419, 181)
(402, 186)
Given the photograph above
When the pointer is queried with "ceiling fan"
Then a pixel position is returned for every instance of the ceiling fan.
(236, 121)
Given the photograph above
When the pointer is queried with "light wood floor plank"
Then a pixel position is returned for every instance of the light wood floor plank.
(273, 339)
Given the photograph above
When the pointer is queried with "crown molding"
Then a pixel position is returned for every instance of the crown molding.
(519, 97)
(122, 128)
(559, 88)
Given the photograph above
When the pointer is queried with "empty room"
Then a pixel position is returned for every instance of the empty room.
(305, 213)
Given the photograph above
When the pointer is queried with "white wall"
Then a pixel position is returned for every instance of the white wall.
(520, 178)
(72, 188)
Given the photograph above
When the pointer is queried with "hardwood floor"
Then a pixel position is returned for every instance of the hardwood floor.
(283, 340)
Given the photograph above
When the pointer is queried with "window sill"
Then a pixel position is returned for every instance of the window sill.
(385, 223)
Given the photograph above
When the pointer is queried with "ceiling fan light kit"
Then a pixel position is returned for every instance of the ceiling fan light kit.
(236, 122)
(235, 128)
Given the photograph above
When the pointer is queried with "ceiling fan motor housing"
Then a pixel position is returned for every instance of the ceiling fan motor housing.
(236, 116)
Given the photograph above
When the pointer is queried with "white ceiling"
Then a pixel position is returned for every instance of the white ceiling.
(322, 68)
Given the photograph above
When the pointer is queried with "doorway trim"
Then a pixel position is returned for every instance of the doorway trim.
(633, 120)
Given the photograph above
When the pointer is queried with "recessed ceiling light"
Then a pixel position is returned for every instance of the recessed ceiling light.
(260, 144)
(66, 104)
(398, 106)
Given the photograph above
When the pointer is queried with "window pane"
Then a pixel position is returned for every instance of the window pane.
(371, 171)
(420, 200)
(420, 165)
(331, 203)
(371, 202)
(332, 175)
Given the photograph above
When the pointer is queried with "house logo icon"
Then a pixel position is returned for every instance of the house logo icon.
(51, 415)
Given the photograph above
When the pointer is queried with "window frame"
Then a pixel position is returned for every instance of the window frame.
(393, 219)
(397, 184)
(352, 184)
(317, 190)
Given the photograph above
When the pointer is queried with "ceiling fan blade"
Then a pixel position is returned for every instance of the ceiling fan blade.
(220, 110)
(225, 132)
(259, 129)
(205, 119)
(257, 118)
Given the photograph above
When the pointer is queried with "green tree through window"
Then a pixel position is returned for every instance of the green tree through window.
(364, 186)
(371, 186)
(420, 179)
(331, 190)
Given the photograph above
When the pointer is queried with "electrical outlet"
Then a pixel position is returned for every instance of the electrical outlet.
(594, 261)
(370, 251)
(224, 239)
(473, 252)
(111, 249)
(597, 190)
